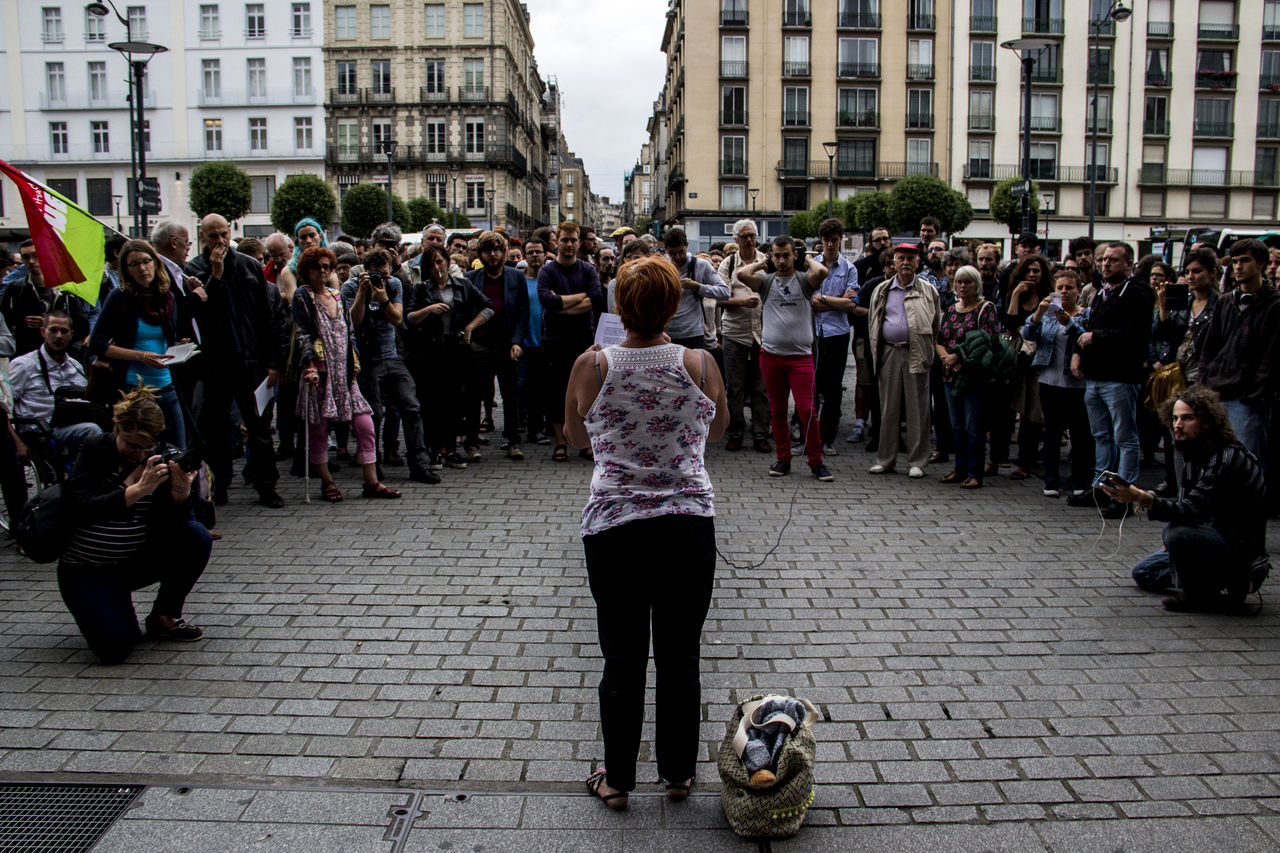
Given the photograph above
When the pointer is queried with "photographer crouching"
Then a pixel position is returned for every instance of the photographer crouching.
(1215, 531)
(130, 525)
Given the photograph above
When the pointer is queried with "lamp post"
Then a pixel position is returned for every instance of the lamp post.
(754, 191)
(830, 148)
(782, 204)
(490, 193)
(116, 198)
(453, 173)
(389, 148)
(1119, 13)
(1026, 49)
(137, 54)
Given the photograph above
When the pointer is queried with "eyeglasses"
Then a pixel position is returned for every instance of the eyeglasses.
(138, 264)
(324, 267)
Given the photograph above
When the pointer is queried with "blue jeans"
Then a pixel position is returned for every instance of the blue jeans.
(966, 425)
(1113, 418)
(1252, 425)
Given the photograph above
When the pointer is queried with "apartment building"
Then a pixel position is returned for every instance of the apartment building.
(238, 81)
(454, 86)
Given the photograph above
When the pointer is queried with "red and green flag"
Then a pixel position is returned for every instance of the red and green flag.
(70, 243)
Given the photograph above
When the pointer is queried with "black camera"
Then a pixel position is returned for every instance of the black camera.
(188, 460)
(375, 279)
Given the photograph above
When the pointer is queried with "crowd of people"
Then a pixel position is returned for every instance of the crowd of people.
(418, 344)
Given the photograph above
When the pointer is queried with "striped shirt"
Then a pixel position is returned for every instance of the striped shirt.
(111, 541)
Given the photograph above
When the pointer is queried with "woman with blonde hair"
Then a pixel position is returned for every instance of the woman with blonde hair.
(647, 409)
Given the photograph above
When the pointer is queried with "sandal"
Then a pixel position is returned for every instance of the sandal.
(1020, 474)
(679, 791)
(952, 477)
(617, 802)
(378, 490)
(561, 453)
(971, 483)
(330, 492)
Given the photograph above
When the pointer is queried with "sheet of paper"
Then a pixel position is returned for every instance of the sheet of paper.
(180, 353)
(609, 331)
(263, 395)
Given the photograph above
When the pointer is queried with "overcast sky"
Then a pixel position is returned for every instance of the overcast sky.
(608, 59)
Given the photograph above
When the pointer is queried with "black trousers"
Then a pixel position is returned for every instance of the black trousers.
(101, 597)
(828, 374)
(1064, 411)
(389, 381)
(488, 363)
(657, 571)
(942, 431)
(221, 388)
(439, 371)
(532, 382)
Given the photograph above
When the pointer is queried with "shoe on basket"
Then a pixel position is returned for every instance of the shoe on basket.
(916, 472)
(514, 451)
(471, 453)
(780, 468)
(181, 631)
(820, 471)
(455, 460)
(879, 469)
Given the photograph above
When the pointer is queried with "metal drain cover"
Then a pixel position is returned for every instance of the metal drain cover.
(59, 818)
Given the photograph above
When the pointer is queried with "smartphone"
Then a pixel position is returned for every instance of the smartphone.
(1177, 297)
(1114, 480)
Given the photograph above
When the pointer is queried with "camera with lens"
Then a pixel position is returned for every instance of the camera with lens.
(188, 460)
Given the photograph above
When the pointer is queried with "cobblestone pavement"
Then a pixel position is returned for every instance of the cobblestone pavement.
(984, 667)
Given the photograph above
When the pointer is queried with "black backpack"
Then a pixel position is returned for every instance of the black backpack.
(41, 529)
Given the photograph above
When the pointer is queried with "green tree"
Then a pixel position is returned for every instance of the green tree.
(869, 210)
(422, 211)
(917, 196)
(364, 208)
(1003, 205)
(220, 187)
(802, 225)
(461, 222)
(642, 224)
(963, 213)
(301, 196)
(399, 213)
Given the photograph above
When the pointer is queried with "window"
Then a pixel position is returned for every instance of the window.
(64, 186)
(795, 197)
(1156, 116)
(569, 199)
(475, 195)
(1100, 166)
(795, 155)
(980, 198)
(1158, 67)
(381, 132)
(1044, 160)
(1044, 111)
(98, 195)
(1271, 20)
(137, 16)
(210, 27)
(262, 188)
(1265, 164)
(474, 135)
(920, 15)
(733, 197)
(380, 21)
(346, 182)
(380, 80)
(920, 59)
(858, 57)
(1213, 60)
(1151, 203)
(473, 74)
(795, 106)
(733, 105)
(52, 24)
(255, 21)
(58, 137)
(568, 179)
(472, 20)
(303, 139)
(1270, 68)
(1269, 117)
(856, 158)
(348, 136)
(435, 76)
(344, 22)
(301, 24)
(257, 74)
(302, 76)
(858, 108)
(1264, 205)
(1217, 17)
(982, 109)
(795, 13)
(919, 156)
(347, 78)
(98, 130)
(1209, 204)
(920, 108)
(982, 60)
(97, 81)
(56, 81)
(733, 155)
(733, 56)
(212, 77)
(95, 28)
(436, 189)
(1100, 65)
(435, 20)
(795, 56)
(1213, 116)
(979, 158)
(435, 136)
(1104, 113)
(257, 134)
(213, 134)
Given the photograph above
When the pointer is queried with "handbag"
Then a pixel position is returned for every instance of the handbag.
(41, 529)
(72, 404)
(776, 811)
(1163, 383)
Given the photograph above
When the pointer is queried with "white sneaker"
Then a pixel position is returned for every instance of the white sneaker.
(878, 469)
(915, 473)
(1052, 493)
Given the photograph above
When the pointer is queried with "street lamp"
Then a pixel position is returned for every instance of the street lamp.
(1026, 49)
(137, 54)
(453, 173)
(782, 199)
(490, 192)
(754, 191)
(830, 148)
(389, 148)
(116, 198)
(1119, 13)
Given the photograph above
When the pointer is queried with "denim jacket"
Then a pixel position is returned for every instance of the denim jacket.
(1045, 334)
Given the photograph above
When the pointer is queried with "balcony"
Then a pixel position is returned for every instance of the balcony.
(917, 21)
(977, 170)
(1269, 129)
(1216, 79)
(733, 17)
(1045, 124)
(733, 68)
(733, 167)
(1159, 30)
(796, 18)
(473, 94)
(982, 121)
(1047, 171)
(920, 121)
(795, 118)
(982, 73)
(1157, 174)
(818, 170)
(344, 96)
(255, 33)
(982, 24)
(300, 32)
(1205, 127)
(253, 97)
(83, 100)
(919, 72)
(892, 171)
(1101, 76)
(1218, 32)
(1046, 75)
(1042, 26)
(1155, 127)
(380, 95)
(1103, 123)
(733, 118)
(858, 70)
(869, 119)
(1102, 26)
(1269, 80)
(209, 33)
(51, 36)
(859, 21)
(795, 69)
(433, 95)
(1159, 79)
(1270, 32)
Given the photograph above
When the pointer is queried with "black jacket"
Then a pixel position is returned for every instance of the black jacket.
(422, 338)
(236, 322)
(96, 487)
(1120, 321)
(515, 302)
(1222, 486)
(25, 298)
(1240, 355)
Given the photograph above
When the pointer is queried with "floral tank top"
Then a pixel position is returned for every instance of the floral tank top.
(648, 428)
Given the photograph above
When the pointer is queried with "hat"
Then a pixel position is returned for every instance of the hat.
(907, 247)
(1028, 239)
(622, 232)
